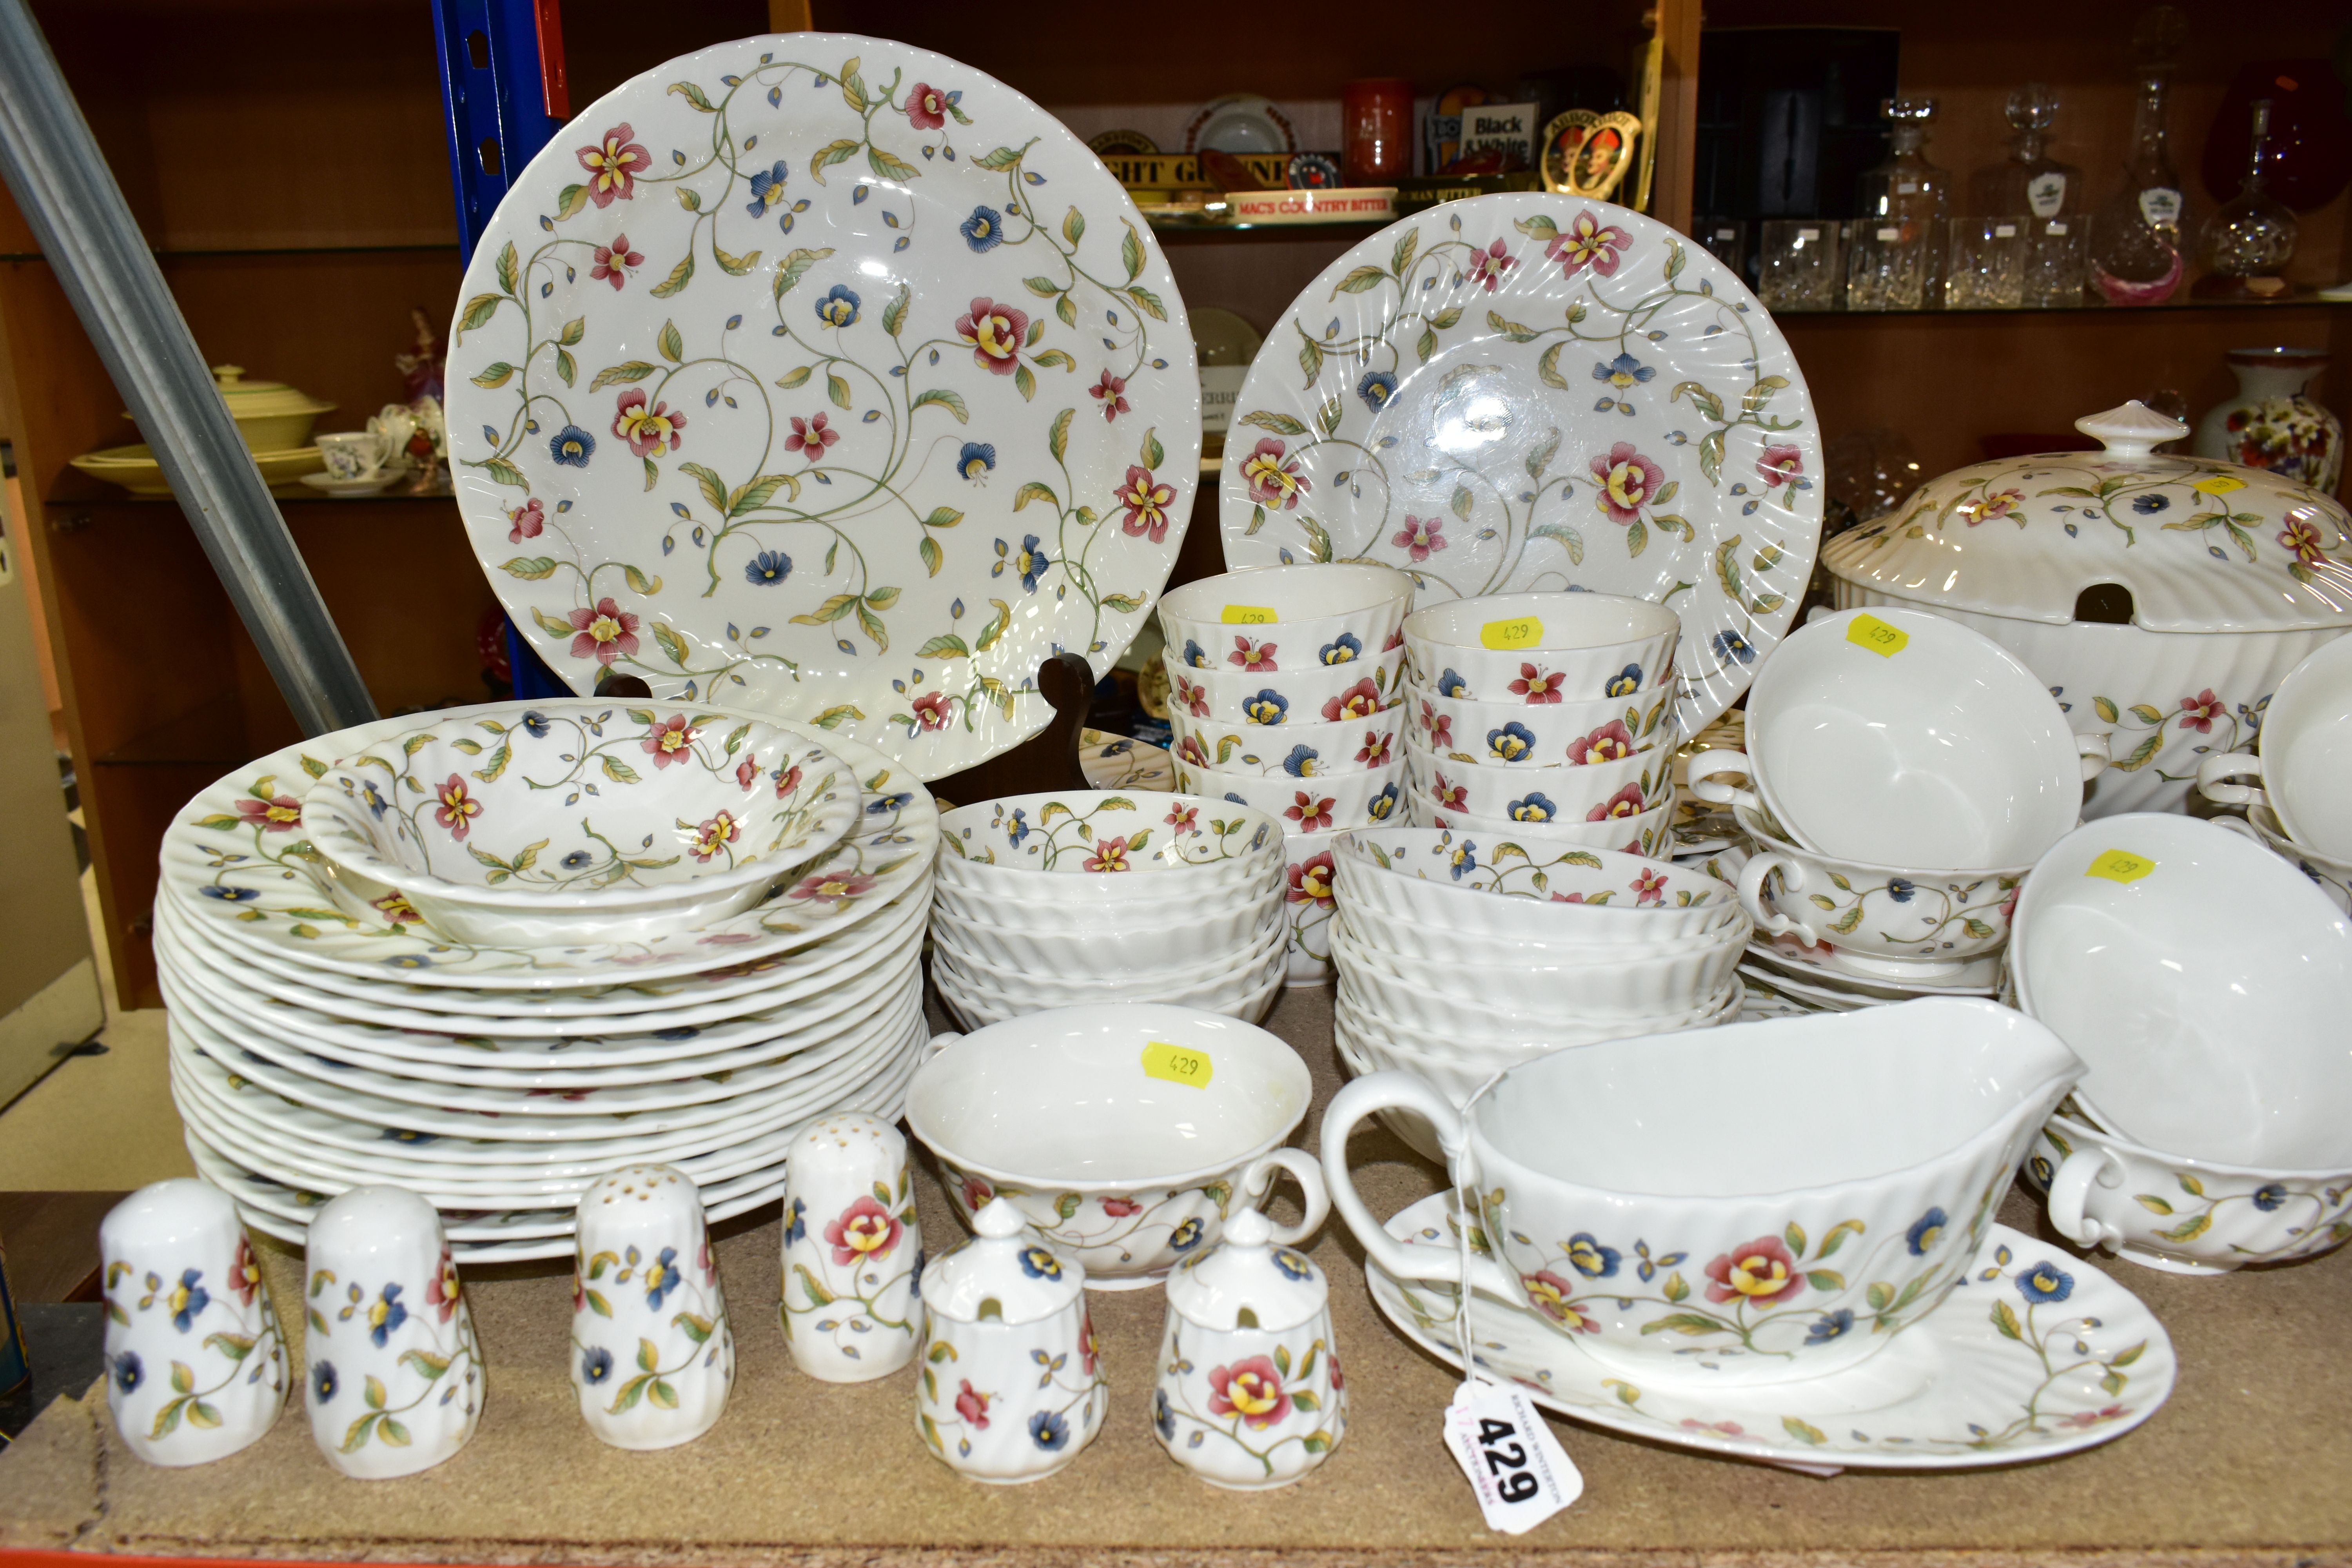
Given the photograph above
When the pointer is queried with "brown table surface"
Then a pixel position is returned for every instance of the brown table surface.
(2249, 1463)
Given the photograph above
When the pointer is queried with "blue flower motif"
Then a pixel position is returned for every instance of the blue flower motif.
(661, 1278)
(1382, 805)
(1622, 372)
(534, 723)
(1342, 649)
(1513, 743)
(768, 569)
(1925, 1232)
(1830, 1326)
(323, 1382)
(1730, 646)
(767, 190)
(410, 960)
(1186, 1236)
(2045, 1281)
(2270, 1197)
(2042, 1171)
(839, 306)
(1268, 707)
(1018, 828)
(1293, 1265)
(377, 806)
(1164, 1419)
(386, 1316)
(577, 860)
(1049, 1429)
(1591, 1259)
(882, 805)
(1534, 807)
(1031, 562)
(573, 445)
(1626, 681)
(796, 1222)
(915, 1276)
(2149, 503)
(229, 895)
(1452, 685)
(187, 1300)
(596, 1366)
(1195, 656)
(1039, 1263)
(1465, 859)
(976, 461)
(985, 229)
(1377, 387)
(1902, 890)
(130, 1371)
(1303, 761)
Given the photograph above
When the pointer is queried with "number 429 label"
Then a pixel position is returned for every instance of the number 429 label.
(1518, 1469)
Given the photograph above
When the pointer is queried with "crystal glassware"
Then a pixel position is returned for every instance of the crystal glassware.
(1798, 264)
(2248, 243)
(1986, 270)
(2135, 249)
(1895, 261)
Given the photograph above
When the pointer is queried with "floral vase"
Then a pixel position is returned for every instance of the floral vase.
(2274, 423)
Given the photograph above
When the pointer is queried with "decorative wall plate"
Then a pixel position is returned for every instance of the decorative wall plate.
(2037, 1353)
(1242, 122)
(821, 377)
(1587, 154)
(1530, 391)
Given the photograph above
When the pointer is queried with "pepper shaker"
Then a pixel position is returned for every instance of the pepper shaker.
(653, 1357)
(853, 1250)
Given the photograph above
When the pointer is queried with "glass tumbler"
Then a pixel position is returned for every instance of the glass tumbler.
(2055, 253)
(1888, 263)
(1798, 263)
(1986, 268)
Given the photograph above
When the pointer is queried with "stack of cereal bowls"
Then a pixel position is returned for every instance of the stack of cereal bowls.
(1069, 897)
(1460, 956)
(2301, 808)
(1282, 692)
(1547, 716)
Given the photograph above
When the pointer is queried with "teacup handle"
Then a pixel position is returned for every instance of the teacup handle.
(1403, 1092)
(1700, 777)
(1305, 1169)
(940, 1042)
(2213, 770)
(2071, 1192)
(1751, 895)
(2095, 747)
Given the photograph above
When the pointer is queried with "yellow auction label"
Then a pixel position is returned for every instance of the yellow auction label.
(1520, 631)
(1870, 632)
(2120, 865)
(1247, 615)
(1177, 1064)
(2218, 484)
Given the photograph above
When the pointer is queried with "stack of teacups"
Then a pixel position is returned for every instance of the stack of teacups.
(1460, 956)
(1075, 897)
(1546, 716)
(2303, 757)
(2206, 986)
(1906, 773)
(1282, 692)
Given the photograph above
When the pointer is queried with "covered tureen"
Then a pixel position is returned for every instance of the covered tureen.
(2161, 597)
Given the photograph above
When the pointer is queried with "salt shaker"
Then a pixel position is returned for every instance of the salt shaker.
(1013, 1384)
(853, 1250)
(196, 1365)
(653, 1357)
(396, 1380)
(1249, 1393)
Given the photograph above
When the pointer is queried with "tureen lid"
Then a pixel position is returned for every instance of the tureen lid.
(1276, 1287)
(262, 399)
(2201, 545)
(1006, 1272)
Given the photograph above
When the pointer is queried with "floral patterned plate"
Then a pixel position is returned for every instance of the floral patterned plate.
(2036, 1353)
(825, 377)
(1115, 761)
(1531, 391)
(1818, 967)
(237, 859)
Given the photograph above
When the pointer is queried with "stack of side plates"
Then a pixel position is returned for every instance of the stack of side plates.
(314, 1051)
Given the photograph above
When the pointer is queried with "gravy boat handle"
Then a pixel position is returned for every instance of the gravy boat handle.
(1403, 1092)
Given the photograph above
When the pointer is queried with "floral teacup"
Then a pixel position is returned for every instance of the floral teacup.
(1537, 649)
(1265, 697)
(1332, 614)
(1881, 921)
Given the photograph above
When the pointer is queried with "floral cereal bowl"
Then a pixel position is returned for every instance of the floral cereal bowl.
(1210, 983)
(1537, 649)
(1192, 897)
(1327, 615)
(1600, 984)
(2184, 1216)
(1104, 846)
(575, 821)
(1903, 924)
(1657, 1244)
(1350, 745)
(1526, 890)
(1569, 734)
(1125, 1134)
(1626, 786)
(1264, 696)
(1314, 805)
(1650, 833)
(1509, 1016)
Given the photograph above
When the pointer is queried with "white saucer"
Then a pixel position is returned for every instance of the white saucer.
(1992, 1377)
(1976, 976)
(362, 485)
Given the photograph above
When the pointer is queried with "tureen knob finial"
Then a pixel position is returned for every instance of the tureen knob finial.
(2133, 431)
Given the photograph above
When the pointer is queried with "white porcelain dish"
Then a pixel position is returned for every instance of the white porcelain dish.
(978, 1011)
(1341, 610)
(1077, 918)
(1516, 735)
(1216, 988)
(1316, 804)
(1628, 786)
(1662, 993)
(1531, 891)
(1319, 749)
(1149, 983)
(1265, 697)
(1541, 649)
(1602, 987)
(1650, 833)
(1104, 839)
(1112, 954)
(2303, 757)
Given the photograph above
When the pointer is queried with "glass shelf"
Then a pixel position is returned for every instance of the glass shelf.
(2170, 307)
(448, 246)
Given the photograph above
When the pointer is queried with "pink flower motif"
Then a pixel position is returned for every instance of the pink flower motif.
(1109, 855)
(1420, 537)
(1272, 477)
(614, 261)
(713, 836)
(1627, 481)
(527, 519)
(976, 1194)
(787, 780)
(613, 164)
(1121, 1208)
(1374, 752)
(865, 1232)
(1491, 264)
(811, 436)
(1183, 818)
(1112, 390)
(1762, 1270)
(1257, 658)
(1194, 699)
(280, 814)
(1250, 1389)
(2199, 713)
(649, 431)
(972, 1406)
(1729, 1428)
(605, 631)
(932, 711)
(2300, 537)
(1589, 242)
(927, 109)
(1626, 802)
(671, 740)
(1090, 1345)
(1147, 501)
(1190, 750)
(745, 772)
(994, 332)
(1553, 1296)
(1454, 797)
(1537, 686)
(2082, 1420)
(1438, 727)
(1360, 701)
(1396, 641)
(1649, 888)
(1311, 880)
(2000, 503)
(835, 888)
(1779, 465)
(455, 809)
(1311, 813)
(1610, 744)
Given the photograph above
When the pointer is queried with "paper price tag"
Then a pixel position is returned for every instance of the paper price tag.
(1520, 631)
(1177, 1064)
(1248, 615)
(2218, 485)
(1870, 632)
(1518, 1469)
(2120, 865)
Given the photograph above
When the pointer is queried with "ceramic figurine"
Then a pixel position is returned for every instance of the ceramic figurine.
(853, 1250)
(1013, 1383)
(652, 1355)
(195, 1366)
(396, 1378)
(1250, 1395)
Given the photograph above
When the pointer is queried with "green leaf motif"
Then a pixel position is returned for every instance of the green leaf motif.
(496, 374)
(628, 370)
(1267, 420)
(2004, 1317)
(796, 263)
(679, 277)
(951, 401)
(693, 95)
(530, 568)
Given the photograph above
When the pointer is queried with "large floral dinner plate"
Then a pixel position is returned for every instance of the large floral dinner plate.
(1532, 390)
(821, 377)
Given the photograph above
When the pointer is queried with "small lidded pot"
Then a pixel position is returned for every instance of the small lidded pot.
(853, 1250)
(1250, 1395)
(653, 1357)
(1013, 1384)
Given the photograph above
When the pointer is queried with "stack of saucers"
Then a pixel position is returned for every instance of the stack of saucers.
(1069, 897)
(1283, 693)
(1460, 957)
(493, 953)
(1546, 716)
